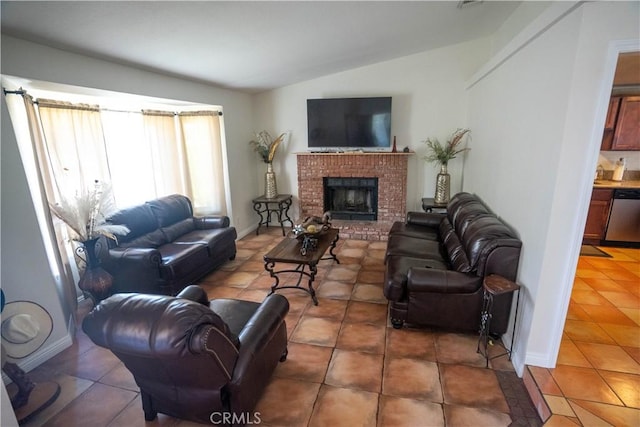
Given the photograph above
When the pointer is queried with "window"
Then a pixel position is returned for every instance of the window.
(144, 148)
(143, 154)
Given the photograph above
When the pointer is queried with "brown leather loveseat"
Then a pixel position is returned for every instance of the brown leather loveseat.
(167, 248)
(436, 263)
(194, 359)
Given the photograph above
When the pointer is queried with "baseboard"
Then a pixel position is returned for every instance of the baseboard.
(245, 231)
(538, 359)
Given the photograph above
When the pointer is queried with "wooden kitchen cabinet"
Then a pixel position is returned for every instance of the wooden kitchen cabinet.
(626, 136)
(612, 114)
(610, 123)
(598, 216)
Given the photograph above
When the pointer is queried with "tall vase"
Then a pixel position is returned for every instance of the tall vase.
(443, 186)
(95, 280)
(270, 187)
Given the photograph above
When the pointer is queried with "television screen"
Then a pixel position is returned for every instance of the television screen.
(349, 123)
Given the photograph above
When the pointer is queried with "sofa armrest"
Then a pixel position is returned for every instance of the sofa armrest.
(194, 293)
(394, 288)
(134, 269)
(208, 222)
(135, 257)
(421, 279)
(259, 331)
(425, 219)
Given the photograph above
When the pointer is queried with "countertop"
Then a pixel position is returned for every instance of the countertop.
(627, 183)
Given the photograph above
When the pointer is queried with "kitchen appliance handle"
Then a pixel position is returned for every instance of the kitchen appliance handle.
(626, 194)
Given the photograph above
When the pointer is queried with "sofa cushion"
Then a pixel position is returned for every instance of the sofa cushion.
(457, 256)
(413, 230)
(483, 235)
(399, 244)
(395, 278)
(457, 202)
(170, 209)
(138, 219)
(181, 260)
(235, 313)
(150, 240)
(442, 282)
(212, 238)
(178, 229)
(467, 214)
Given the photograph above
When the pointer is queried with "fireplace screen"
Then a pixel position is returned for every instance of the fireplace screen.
(351, 198)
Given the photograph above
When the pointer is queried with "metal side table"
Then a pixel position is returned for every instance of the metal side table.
(278, 205)
(429, 204)
(495, 285)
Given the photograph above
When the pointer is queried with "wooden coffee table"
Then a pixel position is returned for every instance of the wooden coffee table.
(288, 251)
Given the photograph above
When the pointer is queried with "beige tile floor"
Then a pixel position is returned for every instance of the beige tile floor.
(346, 365)
(597, 377)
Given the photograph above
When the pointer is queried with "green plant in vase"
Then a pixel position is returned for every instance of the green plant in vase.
(442, 154)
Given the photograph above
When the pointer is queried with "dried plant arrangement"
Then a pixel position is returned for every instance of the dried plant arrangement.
(266, 146)
(86, 213)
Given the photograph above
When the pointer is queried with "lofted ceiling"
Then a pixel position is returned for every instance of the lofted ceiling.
(250, 45)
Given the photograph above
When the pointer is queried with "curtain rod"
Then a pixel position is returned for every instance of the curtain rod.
(14, 92)
(23, 92)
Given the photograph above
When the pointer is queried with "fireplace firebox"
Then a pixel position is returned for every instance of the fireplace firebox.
(351, 198)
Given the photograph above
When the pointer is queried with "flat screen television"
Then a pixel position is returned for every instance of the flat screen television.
(336, 124)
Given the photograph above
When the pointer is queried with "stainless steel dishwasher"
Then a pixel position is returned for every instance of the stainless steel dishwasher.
(624, 219)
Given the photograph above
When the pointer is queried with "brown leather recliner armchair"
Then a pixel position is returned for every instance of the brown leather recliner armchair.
(192, 358)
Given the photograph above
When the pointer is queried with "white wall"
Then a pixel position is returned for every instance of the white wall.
(538, 119)
(25, 271)
(520, 18)
(429, 100)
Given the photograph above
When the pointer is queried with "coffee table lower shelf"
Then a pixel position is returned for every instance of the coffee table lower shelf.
(288, 252)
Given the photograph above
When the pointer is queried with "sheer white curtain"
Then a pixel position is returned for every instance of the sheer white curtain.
(143, 155)
(153, 154)
(74, 144)
(166, 153)
(203, 146)
(71, 156)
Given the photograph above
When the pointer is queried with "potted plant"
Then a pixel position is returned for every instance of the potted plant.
(442, 154)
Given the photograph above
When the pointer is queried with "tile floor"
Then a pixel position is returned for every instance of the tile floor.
(596, 380)
(346, 365)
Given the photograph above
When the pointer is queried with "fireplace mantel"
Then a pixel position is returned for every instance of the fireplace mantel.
(356, 153)
(389, 168)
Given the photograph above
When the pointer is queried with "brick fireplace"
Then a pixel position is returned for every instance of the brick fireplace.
(389, 168)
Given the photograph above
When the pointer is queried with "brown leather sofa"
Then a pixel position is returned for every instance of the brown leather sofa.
(167, 248)
(436, 263)
(194, 359)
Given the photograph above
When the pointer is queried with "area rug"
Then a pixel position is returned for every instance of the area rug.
(589, 250)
